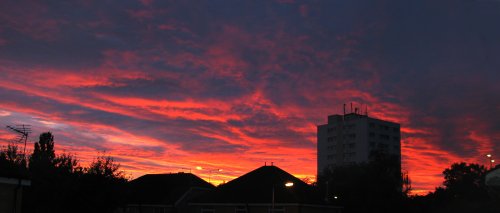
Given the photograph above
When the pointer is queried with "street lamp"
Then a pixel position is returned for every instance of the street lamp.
(490, 160)
(210, 173)
(288, 184)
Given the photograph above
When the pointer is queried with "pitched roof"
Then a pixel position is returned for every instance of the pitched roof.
(164, 188)
(257, 187)
(493, 178)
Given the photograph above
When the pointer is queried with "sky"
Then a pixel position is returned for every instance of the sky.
(167, 86)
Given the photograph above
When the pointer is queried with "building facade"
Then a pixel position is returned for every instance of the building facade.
(354, 138)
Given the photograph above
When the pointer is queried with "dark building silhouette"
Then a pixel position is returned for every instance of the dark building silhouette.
(263, 190)
(164, 193)
(354, 138)
(492, 182)
(11, 193)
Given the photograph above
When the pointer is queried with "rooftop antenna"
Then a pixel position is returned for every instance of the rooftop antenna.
(351, 107)
(344, 108)
(23, 131)
(366, 110)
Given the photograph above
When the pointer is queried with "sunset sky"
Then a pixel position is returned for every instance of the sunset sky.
(166, 86)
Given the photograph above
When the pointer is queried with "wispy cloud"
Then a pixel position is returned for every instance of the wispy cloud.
(164, 86)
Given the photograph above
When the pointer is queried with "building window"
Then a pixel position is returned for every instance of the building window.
(372, 125)
(384, 127)
(352, 145)
(330, 139)
(371, 134)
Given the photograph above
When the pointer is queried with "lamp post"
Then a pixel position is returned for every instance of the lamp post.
(288, 185)
(490, 160)
(210, 173)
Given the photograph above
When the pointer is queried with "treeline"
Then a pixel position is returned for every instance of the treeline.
(380, 186)
(60, 184)
(463, 190)
(376, 186)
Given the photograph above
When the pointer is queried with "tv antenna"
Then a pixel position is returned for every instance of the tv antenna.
(23, 131)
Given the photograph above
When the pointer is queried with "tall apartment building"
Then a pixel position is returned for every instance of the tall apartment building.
(354, 138)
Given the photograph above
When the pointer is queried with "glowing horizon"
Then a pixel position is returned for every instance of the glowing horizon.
(168, 86)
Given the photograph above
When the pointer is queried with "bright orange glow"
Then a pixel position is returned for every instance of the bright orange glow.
(190, 92)
(420, 157)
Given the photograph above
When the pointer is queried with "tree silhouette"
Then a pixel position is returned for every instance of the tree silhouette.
(376, 186)
(67, 163)
(42, 159)
(102, 186)
(463, 191)
(43, 195)
(465, 181)
(60, 184)
(12, 163)
(105, 167)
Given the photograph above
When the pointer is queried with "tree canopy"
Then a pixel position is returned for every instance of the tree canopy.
(12, 163)
(376, 186)
(59, 183)
(466, 181)
(463, 190)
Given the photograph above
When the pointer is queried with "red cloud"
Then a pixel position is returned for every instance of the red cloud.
(175, 85)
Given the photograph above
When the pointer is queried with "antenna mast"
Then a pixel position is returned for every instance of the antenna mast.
(23, 131)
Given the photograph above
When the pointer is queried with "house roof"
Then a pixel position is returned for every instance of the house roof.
(493, 178)
(164, 188)
(257, 187)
